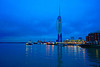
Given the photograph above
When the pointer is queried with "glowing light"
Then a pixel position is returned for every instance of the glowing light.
(75, 50)
(84, 54)
(52, 48)
(83, 51)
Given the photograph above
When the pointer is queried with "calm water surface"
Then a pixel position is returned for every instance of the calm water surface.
(21, 55)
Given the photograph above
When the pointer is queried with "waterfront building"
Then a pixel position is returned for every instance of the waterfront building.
(67, 41)
(93, 38)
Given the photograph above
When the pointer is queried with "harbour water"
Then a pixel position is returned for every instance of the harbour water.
(22, 55)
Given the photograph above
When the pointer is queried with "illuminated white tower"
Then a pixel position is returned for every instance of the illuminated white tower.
(59, 27)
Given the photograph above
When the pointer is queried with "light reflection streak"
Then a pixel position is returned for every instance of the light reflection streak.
(65, 49)
(47, 50)
(59, 56)
(28, 53)
(75, 50)
(69, 47)
(31, 48)
(79, 49)
(97, 53)
(28, 50)
(52, 48)
(72, 48)
(83, 54)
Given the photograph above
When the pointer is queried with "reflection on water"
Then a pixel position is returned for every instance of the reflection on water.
(50, 52)
(79, 49)
(94, 56)
(97, 55)
(28, 50)
(28, 55)
(47, 50)
(52, 48)
(75, 55)
(49, 56)
(75, 49)
(83, 54)
(59, 55)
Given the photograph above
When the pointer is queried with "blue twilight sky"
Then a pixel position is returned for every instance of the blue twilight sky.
(23, 20)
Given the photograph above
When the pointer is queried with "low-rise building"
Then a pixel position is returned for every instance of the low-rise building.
(93, 38)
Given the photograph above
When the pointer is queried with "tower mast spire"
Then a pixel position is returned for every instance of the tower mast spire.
(59, 26)
(59, 7)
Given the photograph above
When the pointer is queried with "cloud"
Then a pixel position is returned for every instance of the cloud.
(37, 19)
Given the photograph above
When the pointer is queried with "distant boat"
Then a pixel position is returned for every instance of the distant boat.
(29, 43)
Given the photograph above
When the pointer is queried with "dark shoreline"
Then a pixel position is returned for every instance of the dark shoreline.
(89, 46)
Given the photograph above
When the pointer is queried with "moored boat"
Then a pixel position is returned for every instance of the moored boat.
(29, 43)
